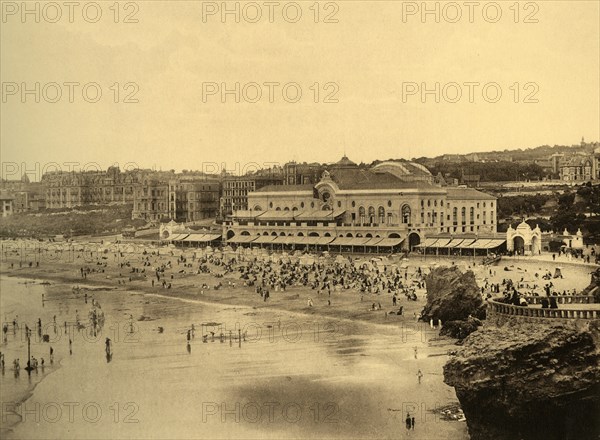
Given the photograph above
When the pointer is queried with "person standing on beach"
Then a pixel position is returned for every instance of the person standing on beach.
(419, 375)
(412, 423)
(408, 423)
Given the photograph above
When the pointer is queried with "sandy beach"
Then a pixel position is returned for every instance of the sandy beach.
(360, 382)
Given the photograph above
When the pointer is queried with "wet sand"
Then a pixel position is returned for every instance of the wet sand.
(301, 372)
(339, 371)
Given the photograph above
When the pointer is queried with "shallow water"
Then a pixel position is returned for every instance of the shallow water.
(295, 376)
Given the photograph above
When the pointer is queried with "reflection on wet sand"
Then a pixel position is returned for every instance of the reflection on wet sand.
(295, 376)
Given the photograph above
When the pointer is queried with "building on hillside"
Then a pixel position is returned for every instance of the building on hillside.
(578, 168)
(182, 197)
(302, 173)
(236, 189)
(28, 196)
(71, 189)
(362, 209)
(6, 203)
(471, 180)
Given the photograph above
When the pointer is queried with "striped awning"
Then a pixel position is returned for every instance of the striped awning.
(277, 215)
(454, 243)
(265, 239)
(242, 239)
(286, 239)
(390, 242)
(177, 237)
(350, 241)
(319, 215)
(195, 237)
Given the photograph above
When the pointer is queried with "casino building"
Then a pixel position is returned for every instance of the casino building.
(390, 207)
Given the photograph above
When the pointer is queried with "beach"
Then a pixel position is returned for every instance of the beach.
(340, 371)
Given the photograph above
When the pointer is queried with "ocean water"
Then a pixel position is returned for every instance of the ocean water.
(294, 376)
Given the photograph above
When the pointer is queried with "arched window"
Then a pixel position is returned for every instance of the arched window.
(463, 215)
(286, 209)
(257, 208)
(361, 215)
(406, 214)
(381, 215)
(472, 215)
(278, 209)
(371, 214)
(454, 215)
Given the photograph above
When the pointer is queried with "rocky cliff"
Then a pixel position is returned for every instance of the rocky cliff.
(451, 294)
(529, 381)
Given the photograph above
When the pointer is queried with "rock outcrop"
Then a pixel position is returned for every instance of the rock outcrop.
(460, 329)
(529, 381)
(451, 295)
(594, 287)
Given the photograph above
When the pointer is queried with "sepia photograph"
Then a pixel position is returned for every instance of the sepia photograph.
(308, 219)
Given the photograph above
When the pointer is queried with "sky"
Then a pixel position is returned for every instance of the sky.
(355, 82)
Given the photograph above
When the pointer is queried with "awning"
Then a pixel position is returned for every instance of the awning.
(285, 240)
(246, 214)
(390, 242)
(350, 241)
(212, 237)
(242, 239)
(429, 242)
(454, 243)
(195, 237)
(373, 241)
(265, 239)
(319, 215)
(314, 240)
(466, 243)
(277, 215)
(495, 243)
(177, 237)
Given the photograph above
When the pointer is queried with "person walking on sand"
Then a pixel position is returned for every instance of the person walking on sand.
(408, 424)
(412, 423)
(419, 375)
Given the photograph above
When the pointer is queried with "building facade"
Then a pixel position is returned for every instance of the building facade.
(71, 189)
(181, 197)
(382, 207)
(6, 204)
(236, 189)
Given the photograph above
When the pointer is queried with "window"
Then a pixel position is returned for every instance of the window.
(361, 215)
(371, 215)
(389, 203)
(406, 214)
(463, 215)
(454, 215)
(389, 218)
(353, 203)
(381, 214)
(339, 203)
(472, 215)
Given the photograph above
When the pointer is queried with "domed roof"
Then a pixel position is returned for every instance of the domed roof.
(403, 168)
(345, 162)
